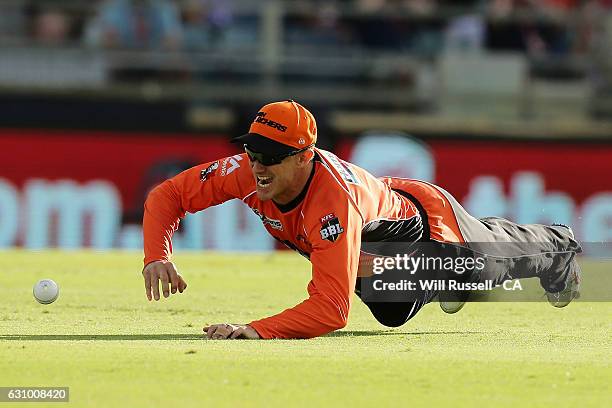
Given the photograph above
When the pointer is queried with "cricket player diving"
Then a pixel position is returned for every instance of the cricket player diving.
(328, 210)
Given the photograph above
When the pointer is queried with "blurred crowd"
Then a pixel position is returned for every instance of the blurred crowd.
(425, 27)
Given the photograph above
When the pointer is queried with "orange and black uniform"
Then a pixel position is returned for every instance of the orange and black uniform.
(341, 207)
(341, 210)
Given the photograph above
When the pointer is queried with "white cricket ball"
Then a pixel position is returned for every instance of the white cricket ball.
(45, 291)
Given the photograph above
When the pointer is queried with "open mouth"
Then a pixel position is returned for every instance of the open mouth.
(263, 181)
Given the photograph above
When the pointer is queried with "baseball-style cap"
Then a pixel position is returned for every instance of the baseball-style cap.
(280, 128)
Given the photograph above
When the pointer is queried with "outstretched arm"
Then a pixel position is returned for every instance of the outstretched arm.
(192, 190)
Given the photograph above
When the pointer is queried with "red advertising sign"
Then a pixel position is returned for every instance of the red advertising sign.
(131, 161)
(86, 188)
(83, 188)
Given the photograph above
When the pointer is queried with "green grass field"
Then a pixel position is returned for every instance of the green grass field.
(104, 340)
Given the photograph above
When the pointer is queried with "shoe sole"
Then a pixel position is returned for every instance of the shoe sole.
(451, 307)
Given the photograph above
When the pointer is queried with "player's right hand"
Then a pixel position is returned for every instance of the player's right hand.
(166, 273)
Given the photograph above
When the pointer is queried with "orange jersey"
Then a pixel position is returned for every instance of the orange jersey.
(342, 205)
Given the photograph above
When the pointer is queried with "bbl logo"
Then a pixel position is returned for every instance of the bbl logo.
(330, 227)
(207, 171)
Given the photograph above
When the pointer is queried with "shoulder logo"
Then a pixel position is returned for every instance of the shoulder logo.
(343, 168)
(209, 171)
(330, 227)
(230, 164)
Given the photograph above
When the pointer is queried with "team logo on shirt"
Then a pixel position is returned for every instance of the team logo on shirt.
(330, 227)
(276, 224)
(210, 170)
(230, 164)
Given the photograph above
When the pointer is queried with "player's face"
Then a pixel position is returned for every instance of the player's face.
(278, 182)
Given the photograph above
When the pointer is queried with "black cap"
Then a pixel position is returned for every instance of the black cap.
(262, 144)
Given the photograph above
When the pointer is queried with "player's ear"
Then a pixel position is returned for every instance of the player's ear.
(306, 157)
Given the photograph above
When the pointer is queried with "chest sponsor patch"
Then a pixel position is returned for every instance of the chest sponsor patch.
(276, 224)
(209, 171)
(330, 227)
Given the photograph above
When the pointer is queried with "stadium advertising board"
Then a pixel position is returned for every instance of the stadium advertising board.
(74, 189)
(525, 181)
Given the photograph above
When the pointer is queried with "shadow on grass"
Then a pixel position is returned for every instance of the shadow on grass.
(356, 333)
(102, 337)
(174, 337)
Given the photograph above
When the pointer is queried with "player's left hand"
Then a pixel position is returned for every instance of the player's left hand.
(225, 331)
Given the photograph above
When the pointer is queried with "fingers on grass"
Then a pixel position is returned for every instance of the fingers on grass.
(174, 277)
(237, 333)
(218, 332)
(210, 330)
(155, 284)
(182, 285)
(165, 282)
(147, 283)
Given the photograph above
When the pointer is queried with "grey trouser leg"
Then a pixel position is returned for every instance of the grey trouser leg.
(511, 251)
(519, 251)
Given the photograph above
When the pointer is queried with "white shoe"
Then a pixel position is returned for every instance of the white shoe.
(571, 291)
(451, 307)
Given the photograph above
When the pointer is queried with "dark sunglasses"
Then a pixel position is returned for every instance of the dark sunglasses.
(270, 160)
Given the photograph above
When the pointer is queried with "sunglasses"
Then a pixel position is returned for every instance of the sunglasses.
(270, 160)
